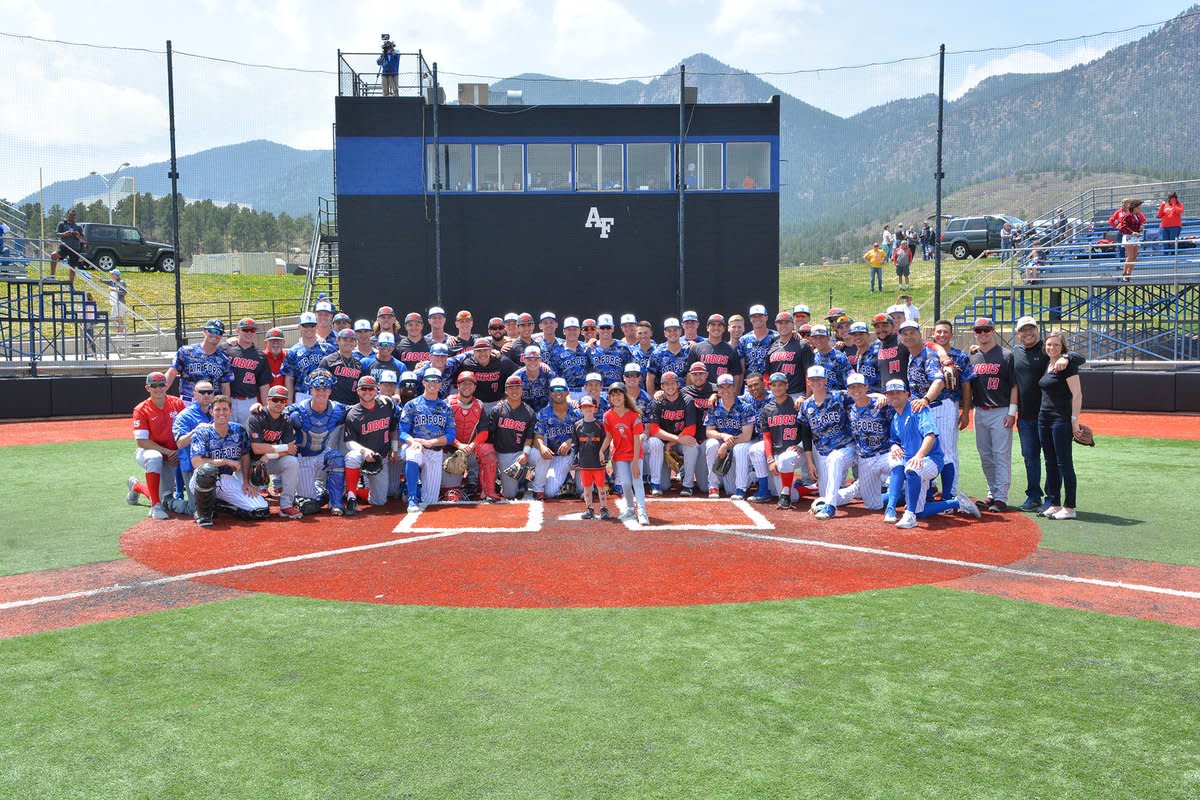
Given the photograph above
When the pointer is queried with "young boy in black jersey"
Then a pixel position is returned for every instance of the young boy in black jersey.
(587, 438)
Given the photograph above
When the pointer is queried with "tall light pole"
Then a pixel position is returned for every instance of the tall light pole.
(108, 182)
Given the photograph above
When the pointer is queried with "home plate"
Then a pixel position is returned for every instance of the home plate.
(512, 517)
(698, 514)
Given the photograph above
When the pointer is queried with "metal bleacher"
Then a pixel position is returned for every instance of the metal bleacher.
(1069, 277)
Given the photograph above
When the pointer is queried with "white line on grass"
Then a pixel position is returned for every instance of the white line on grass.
(954, 562)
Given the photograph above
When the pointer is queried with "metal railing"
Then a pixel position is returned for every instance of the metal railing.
(1157, 261)
(360, 76)
(268, 313)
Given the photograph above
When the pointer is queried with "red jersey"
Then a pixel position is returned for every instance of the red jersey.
(276, 365)
(466, 419)
(154, 424)
(622, 428)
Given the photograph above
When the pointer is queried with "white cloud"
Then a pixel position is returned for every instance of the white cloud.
(755, 27)
(596, 38)
(1022, 62)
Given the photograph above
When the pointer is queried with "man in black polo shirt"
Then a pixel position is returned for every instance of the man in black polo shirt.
(345, 368)
(995, 413)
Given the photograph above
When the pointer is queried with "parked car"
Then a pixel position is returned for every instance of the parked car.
(112, 246)
(965, 237)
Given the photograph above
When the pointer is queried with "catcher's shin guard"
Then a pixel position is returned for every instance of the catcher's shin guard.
(204, 491)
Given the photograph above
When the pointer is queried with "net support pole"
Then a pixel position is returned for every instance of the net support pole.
(174, 176)
(679, 180)
(938, 175)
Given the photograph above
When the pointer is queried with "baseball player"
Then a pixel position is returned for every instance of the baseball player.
(304, 357)
(691, 328)
(995, 413)
(510, 426)
(801, 315)
(552, 431)
(389, 386)
(885, 359)
(384, 360)
(439, 357)
(670, 356)
(782, 447)
(437, 330)
(837, 366)
(753, 347)
(251, 372)
(608, 356)
(464, 337)
(323, 311)
(220, 453)
(342, 321)
(491, 370)
(412, 348)
(629, 330)
(716, 354)
(916, 459)
(643, 348)
(275, 355)
(345, 368)
(156, 452)
(535, 378)
(871, 426)
(426, 427)
(593, 386)
(586, 439)
(386, 322)
(955, 413)
(672, 424)
(273, 440)
(547, 339)
(828, 414)
(206, 360)
(470, 423)
(369, 437)
(196, 414)
(568, 357)
(736, 329)
(515, 348)
(925, 384)
(729, 424)
(318, 423)
(790, 356)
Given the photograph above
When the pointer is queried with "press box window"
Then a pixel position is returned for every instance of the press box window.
(455, 167)
(650, 167)
(702, 166)
(748, 165)
(498, 167)
(549, 167)
(598, 167)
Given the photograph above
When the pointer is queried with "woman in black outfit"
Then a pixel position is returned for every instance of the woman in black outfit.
(1058, 420)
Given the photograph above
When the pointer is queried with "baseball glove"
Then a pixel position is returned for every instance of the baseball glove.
(373, 467)
(1084, 436)
(455, 463)
(723, 463)
(260, 476)
(514, 470)
(674, 462)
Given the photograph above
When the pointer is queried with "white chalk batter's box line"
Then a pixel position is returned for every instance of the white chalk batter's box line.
(532, 524)
(755, 521)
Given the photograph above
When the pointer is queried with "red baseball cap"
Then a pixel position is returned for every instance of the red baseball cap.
(698, 367)
(413, 316)
(983, 323)
(466, 375)
(248, 324)
(716, 318)
(385, 310)
(525, 318)
(274, 333)
(513, 380)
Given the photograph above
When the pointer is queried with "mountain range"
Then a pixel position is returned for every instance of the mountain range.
(1129, 110)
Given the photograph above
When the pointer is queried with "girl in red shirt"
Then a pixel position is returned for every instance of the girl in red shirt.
(623, 438)
(1129, 220)
(1170, 221)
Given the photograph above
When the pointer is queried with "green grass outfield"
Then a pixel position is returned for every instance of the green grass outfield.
(920, 692)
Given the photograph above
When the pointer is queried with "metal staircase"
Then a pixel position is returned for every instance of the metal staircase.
(322, 275)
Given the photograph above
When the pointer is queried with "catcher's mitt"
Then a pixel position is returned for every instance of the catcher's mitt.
(1084, 436)
(674, 462)
(260, 476)
(373, 467)
(455, 463)
(723, 463)
(950, 377)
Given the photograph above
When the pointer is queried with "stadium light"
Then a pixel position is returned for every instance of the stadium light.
(108, 182)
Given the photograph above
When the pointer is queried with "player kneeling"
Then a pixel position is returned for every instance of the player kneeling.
(273, 443)
(871, 427)
(221, 457)
(782, 447)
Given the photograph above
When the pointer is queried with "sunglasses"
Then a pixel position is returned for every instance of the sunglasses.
(558, 389)
(308, 325)
(366, 388)
(248, 330)
(495, 327)
(603, 328)
(277, 400)
(203, 391)
(430, 379)
(590, 328)
(157, 385)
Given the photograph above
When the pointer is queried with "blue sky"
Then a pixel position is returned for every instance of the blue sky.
(221, 104)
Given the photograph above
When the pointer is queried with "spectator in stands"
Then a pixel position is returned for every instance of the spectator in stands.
(902, 258)
(875, 257)
(1129, 221)
(117, 291)
(1006, 240)
(4, 231)
(389, 69)
(1058, 422)
(71, 244)
(1170, 221)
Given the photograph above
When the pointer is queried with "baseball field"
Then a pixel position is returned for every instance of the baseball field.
(515, 651)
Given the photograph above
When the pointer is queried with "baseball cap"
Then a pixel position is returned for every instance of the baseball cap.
(880, 318)
(777, 377)
(593, 376)
(344, 333)
(117, 272)
(783, 316)
(859, 327)
(278, 391)
(494, 321)
(895, 385)
(525, 319)
(341, 316)
(513, 380)
(616, 386)
(323, 305)
(629, 319)
(725, 380)
(461, 315)
(217, 327)
(321, 379)
(548, 315)
(758, 309)
(385, 311)
(362, 324)
(367, 381)
(436, 310)
(558, 383)
(856, 379)
(510, 317)
(816, 371)
(671, 322)
(274, 333)
(633, 367)
(439, 349)
(875, 245)
(247, 324)
(588, 322)
(698, 367)
(483, 342)
(388, 376)
(908, 323)
(387, 339)
(466, 375)
(804, 330)
(308, 318)
(156, 379)
(586, 400)
(801, 309)
(432, 374)
(570, 322)
(408, 376)
(668, 376)
(604, 321)
(818, 330)
(1023, 321)
(412, 316)
(835, 312)
(532, 351)
(716, 318)
(896, 310)
(690, 316)
(983, 323)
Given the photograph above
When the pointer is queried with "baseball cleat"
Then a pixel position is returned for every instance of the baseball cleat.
(132, 497)
(627, 515)
(604, 513)
(589, 514)
(826, 512)
(350, 505)
(204, 522)
(291, 512)
(966, 506)
(890, 517)
(643, 518)
(816, 507)
(785, 501)
(655, 492)
(685, 491)
(158, 512)
(336, 511)
(997, 507)
(737, 496)
(413, 508)
(714, 493)
(909, 520)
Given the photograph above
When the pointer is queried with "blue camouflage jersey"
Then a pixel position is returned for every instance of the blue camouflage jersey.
(553, 429)
(757, 406)
(753, 351)
(208, 443)
(447, 380)
(645, 406)
(317, 432)
(427, 419)
(923, 370)
(837, 368)
(642, 357)
(829, 421)
(871, 427)
(194, 365)
(909, 430)
(609, 361)
(300, 360)
(663, 360)
(966, 372)
(536, 391)
(570, 365)
(187, 421)
(729, 420)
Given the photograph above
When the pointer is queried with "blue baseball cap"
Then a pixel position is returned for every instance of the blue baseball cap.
(895, 385)
(439, 349)
(777, 377)
(215, 326)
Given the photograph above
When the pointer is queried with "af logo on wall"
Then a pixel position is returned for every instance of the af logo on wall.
(594, 220)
